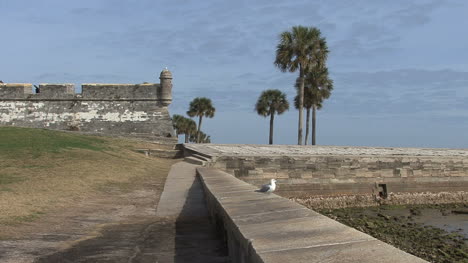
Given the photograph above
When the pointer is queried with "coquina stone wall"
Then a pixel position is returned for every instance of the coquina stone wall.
(333, 170)
(116, 109)
(332, 175)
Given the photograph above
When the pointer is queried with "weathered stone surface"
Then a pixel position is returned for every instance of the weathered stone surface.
(363, 252)
(267, 228)
(161, 153)
(286, 151)
(138, 110)
(343, 201)
(333, 170)
(15, 90)
(106, 117)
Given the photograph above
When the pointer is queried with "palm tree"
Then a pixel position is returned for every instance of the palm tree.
(318, 87)
(177, 124)
(189, 127)
(183, 125)
(204, 138)
(300, 49)
(309, 100)
(201, 107)
(270, 102)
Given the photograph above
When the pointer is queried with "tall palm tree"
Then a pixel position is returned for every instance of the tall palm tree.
(318, 87)
(310, 99)
(300, 49)
(270, 102)
(201, 107)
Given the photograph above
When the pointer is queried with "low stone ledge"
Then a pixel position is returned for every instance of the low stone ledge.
(268, 228)
(161, 153)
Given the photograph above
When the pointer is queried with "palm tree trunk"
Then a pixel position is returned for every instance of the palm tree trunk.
(314, 120)
(199, 127)
(272, 117)
(307, 126)
(301, 105)
(187, 135)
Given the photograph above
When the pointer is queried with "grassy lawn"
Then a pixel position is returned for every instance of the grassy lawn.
(41, 170)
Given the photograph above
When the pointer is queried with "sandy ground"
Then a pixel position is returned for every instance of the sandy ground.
(74, 198)
(85, 220)
(117, 227)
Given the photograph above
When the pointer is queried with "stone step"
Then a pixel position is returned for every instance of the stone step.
(161, 153)
(194, 160)
(201, 157)
(188, 151)
(154, 139)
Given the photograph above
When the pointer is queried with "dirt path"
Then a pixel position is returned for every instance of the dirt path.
(122, 227)
(86, 220)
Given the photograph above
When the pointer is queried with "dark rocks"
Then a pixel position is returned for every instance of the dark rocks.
(430, 243)
(415, 211)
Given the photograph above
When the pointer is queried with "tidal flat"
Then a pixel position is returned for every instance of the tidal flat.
(436, 233)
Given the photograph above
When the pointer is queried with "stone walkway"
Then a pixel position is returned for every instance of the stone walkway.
(180, 232)
(196, 239)
(182, 188)
(215, 150)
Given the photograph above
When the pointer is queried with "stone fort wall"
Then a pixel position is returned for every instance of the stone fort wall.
(139, 110)
(351, 175)
(338, 170)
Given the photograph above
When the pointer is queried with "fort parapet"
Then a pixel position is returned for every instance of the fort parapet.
(138, 110)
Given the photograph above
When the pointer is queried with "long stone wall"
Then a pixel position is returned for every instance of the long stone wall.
(115, 109)
(261, 227)
(322, 170)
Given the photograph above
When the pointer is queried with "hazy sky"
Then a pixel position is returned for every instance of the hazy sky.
(400, 67)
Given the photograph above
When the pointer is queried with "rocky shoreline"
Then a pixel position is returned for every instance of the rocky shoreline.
(402, 230)
(344, 201)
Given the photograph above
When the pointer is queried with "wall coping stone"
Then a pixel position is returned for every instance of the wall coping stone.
(253, 150)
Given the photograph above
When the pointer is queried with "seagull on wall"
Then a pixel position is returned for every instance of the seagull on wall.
(268, 188)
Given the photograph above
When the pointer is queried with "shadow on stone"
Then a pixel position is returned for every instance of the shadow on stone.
(142, 241)
(191, 237)
(197, 238)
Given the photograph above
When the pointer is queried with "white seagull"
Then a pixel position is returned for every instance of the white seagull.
(268, 188)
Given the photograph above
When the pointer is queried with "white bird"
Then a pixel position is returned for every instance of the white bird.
(268, 188)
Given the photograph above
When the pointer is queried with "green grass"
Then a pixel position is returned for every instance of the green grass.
(29, 218)
(9, 179)
(44, 170)
(5, 189)
(32, 143)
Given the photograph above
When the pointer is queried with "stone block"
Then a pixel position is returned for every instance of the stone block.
(343, 172)
(270, 170)
(55, 91)
(307, 174)
(295, 174)
(416, 165)
(367, 174)
(350, 252)
(15, 90)
(323, 174)
(232, 163)
(120, 91)
(255, 172)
